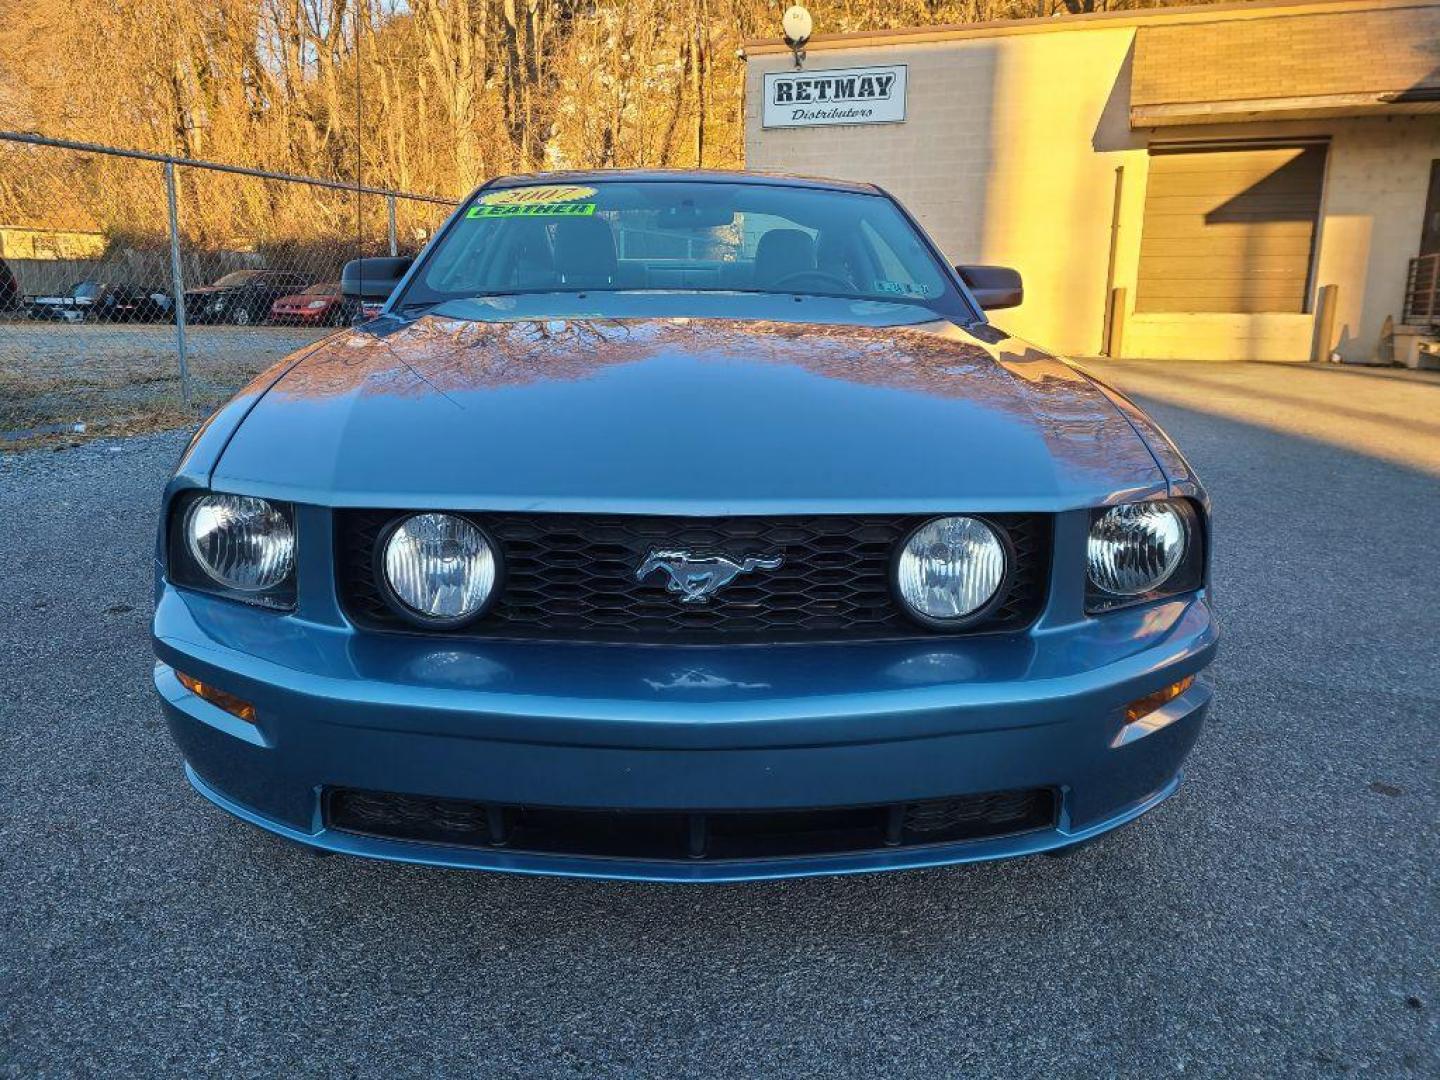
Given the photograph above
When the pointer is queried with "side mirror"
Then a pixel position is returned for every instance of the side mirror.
(994, 287)
(372, 279)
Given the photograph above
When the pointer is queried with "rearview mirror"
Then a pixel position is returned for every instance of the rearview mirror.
(689, 216)
(372, 279)
(994, 287)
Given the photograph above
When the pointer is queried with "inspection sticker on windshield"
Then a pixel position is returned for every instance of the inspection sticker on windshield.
(529, 210)
(901, 288)
(542, 193)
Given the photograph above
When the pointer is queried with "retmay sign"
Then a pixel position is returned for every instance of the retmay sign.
(871, 95)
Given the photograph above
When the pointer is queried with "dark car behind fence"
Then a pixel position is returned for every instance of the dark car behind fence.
(136, 285)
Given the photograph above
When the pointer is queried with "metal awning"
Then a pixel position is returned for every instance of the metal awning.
(1383, 61)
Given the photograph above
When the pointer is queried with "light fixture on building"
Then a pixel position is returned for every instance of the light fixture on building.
(797, 25)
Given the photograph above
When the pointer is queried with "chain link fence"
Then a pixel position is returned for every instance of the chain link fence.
(137, 288)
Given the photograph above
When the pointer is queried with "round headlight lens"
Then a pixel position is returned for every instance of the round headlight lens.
(439, 566)
(950, 568)
(242, 542)
(1134, 548)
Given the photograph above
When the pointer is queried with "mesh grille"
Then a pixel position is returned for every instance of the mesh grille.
(945, 816)
(572, 577)
(689, 835)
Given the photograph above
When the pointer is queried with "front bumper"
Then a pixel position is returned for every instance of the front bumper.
(300, 316)
(207, 308)
(695, 729)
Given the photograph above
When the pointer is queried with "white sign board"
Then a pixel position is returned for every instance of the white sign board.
(869, 95)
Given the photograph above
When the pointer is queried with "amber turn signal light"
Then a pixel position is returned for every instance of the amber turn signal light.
(1142, 707)
(229, 702)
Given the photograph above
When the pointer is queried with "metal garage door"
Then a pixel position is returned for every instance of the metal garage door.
(1230, 229)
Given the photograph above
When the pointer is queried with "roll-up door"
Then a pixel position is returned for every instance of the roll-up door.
(1230, 229)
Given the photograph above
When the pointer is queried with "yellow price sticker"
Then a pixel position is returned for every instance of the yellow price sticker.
(537, 195)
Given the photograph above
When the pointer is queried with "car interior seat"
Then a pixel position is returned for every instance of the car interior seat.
(782, 252)
(585, 252)
(532, 263)
(834, 255)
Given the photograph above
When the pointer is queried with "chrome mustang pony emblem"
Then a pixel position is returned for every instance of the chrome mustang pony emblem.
(698, 577)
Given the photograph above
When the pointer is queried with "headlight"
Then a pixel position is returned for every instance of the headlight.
(315, 305)
(439, 567)
(950, 569)
(1137, 548)
(240, 542)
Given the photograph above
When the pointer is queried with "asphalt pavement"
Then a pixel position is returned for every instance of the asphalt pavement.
(1279, 917)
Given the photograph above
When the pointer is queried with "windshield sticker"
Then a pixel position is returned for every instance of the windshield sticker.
(901, 288)
(532, 210)
(542, 194)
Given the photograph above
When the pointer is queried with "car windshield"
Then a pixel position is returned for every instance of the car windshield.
(85, 290)
(238, 277)
(681, 236)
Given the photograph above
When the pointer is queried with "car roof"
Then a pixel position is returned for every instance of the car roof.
(711, 176)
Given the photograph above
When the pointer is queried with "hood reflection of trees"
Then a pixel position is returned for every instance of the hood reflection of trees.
(454, 357)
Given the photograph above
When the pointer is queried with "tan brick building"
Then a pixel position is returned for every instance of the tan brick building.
(1246, 181)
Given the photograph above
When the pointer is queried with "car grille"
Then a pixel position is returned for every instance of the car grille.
(572, 577)
(689, 835)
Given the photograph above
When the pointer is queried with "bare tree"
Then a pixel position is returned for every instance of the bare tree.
(453, 90)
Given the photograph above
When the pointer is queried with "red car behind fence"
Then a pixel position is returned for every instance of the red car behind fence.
(319, 305)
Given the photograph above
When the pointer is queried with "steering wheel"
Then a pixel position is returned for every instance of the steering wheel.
(827, 280)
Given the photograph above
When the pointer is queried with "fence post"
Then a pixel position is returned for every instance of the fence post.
(177, 282)
(394, 237)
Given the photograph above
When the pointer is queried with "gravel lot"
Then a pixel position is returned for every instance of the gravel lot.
(56, 373)
(1279, 917)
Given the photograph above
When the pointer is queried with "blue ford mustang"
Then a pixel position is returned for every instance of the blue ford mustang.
(682, 526)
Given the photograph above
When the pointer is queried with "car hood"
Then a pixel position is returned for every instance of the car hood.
(683, 415)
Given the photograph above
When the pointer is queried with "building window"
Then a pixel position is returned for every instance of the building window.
(1230, 229)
